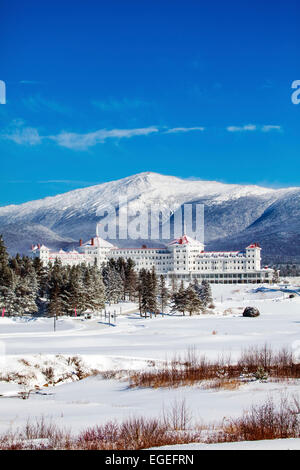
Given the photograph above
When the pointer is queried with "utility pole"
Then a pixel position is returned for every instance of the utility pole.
(54, 324)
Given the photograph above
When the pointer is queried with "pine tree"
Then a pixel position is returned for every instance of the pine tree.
(121, 269)
(206, 295)
(275, 278)
(25, 294)
(97, 293)
(142, 292)
(6, 277)
(179, 300)
(197, 287)
(7, 281)
(56, 290)
(174, 285)
(113, 283)
(42, 273)
(151, 288)
(163, 294)
(193, 302)
(130, 280)
(72, 293)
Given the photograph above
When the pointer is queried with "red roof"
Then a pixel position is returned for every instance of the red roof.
(254, 245)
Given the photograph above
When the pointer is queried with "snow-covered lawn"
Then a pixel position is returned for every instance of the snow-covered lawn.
(130, 344)
(277, 444)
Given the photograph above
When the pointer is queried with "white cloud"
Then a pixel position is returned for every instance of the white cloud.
(269, 128)
(21, 134)
(248, 127)
(175, 130)
(253, 127)
(76, 141)
(24, 136)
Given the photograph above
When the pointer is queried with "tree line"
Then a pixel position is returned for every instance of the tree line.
(155, 297)
(28, 287)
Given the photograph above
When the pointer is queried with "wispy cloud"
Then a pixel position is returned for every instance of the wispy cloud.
(248, 127)
(175, 130)
(24, 136)
(269, 128)
(21, 134)
(254, 127)
(75, 141)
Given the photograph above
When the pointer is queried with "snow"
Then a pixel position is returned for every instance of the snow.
(277, 444)
(74, 215)
(133, 343)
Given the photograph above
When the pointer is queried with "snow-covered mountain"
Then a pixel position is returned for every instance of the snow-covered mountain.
(235, 215)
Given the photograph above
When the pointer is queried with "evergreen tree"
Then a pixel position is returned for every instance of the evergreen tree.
(42, 273)
(6, 276)
(142, 292)
(25, 294)
(163, 294)
(276, 278)
(121, 269)
(151, 291)
(197, 287)
(174, 285)
(193, 302)
(56, 290)
(113, 283)
(7, 281)
(179, 300)
(72, 292)
(97, 292)
(206, 295)
(130, 280)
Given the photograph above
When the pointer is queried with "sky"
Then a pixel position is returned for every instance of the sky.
(99, 90)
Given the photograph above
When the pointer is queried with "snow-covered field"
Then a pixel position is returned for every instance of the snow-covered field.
(134, 343)
(277, 444)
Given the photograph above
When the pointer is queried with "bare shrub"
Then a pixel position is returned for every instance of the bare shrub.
(47, 430)
(37, 435)
(178, 416)
(49, 374)
(266, 421)
(254, 364)
(133, 434)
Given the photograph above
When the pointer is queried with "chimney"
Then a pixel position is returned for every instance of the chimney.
(32, 247)
(80, 242)
(92, 242)
(39, 246)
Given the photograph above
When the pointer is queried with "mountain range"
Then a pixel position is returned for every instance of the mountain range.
(235, 215)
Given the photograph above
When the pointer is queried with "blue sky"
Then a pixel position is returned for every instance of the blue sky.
(100, 90)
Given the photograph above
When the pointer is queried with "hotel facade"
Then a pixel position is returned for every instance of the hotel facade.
(183, 258)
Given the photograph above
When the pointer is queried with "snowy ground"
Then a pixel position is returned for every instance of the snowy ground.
(132, 343)
(278, 444)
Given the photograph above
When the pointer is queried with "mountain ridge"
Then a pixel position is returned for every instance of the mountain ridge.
(233, 213)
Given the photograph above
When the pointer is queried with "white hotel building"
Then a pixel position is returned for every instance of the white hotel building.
(183, 258)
